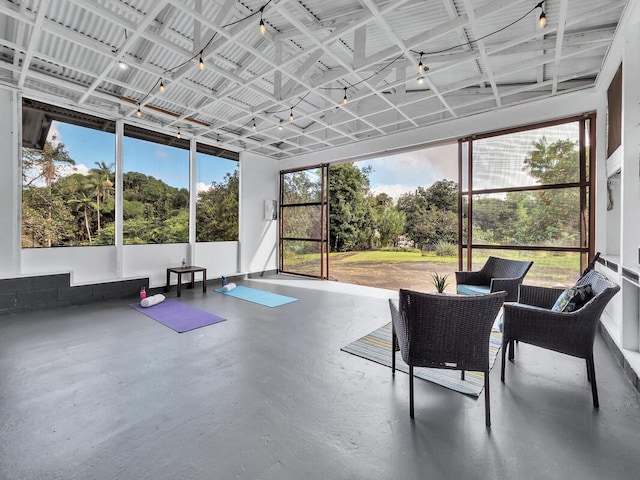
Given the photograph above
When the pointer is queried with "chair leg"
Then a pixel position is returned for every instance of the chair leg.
(588, 371)
(511, 350)
(487, 404)
(411, 391)
(394, 343)
(462, 375)
(504, 354)
(594, 389)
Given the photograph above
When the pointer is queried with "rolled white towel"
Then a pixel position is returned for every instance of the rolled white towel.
(228, 287)
(152, 300)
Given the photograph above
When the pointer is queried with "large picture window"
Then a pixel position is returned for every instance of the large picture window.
(155, 188)
(217, 198)
(526, 194)
(68, 195)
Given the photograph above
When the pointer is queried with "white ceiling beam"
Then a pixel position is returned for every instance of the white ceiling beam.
(562, 18)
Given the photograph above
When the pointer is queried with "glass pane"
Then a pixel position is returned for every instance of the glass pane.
(302, 222)
(156, 193)
(68, 189)
(540, 218)
(302, 187)
(465, 166)
(542, 156)
(303, 257)
(217, 201)
(549, 269)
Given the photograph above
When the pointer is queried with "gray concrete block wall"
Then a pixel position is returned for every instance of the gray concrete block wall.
(51, 291)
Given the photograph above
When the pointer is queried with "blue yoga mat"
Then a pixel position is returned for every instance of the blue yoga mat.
(260, 297)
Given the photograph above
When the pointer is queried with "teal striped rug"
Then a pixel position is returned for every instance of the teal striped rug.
(377, 347)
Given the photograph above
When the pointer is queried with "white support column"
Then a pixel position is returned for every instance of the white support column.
(193, 195)
(10, 182)
(119, 230)
(630, 188)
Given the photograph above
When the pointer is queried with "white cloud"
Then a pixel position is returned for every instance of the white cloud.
(394, 191)
(202, 187)
(66, 170)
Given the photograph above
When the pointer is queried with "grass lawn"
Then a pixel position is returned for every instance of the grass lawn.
(399, 269)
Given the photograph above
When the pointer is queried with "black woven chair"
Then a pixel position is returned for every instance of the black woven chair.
(496, 274)
(444, 331)
(572, 333)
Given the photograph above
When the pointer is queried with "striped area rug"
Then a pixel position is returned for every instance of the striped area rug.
(377, 347)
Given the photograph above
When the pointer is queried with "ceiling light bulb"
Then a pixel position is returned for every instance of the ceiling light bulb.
(280, 127)
(542, 21)
(201, 63)
(178, 135)
(345, 100)
(161, 87)
(420, 80)
(122, 65)
(138, 112)
(253, 127)
(263, 27)
(291, 116)
(420, 67)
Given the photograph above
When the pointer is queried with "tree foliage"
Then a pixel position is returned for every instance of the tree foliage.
(62, 209)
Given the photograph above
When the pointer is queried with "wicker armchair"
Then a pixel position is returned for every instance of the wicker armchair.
(496, 274)
(531, 321)
(444, 331)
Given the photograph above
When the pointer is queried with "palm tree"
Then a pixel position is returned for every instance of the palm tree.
(83, 203)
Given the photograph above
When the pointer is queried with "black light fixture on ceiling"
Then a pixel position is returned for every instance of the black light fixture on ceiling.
(345, 100)
(420, 65)
(280, 126)
(161, 86)
(291, 116)
(138, 112)
(254, 127)
(542, 20)
(201, 62)
(263, 27)
(178, 136)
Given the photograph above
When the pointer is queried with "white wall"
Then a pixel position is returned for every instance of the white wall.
(258, 236)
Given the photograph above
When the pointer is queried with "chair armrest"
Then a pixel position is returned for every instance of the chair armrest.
(571, 333)
(543, 297)
(509, 285)
(469, 278)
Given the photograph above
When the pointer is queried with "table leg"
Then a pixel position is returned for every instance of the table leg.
(193, 279)
(179, 284)
(204, 281)
(168, 285)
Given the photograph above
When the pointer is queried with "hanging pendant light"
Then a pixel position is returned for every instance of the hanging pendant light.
(345, 100)
(161, 87)
(291, 116)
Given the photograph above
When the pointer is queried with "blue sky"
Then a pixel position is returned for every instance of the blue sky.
(171, 165)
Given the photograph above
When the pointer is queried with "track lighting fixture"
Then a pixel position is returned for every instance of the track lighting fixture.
(161, 86)
(263, 27)
(542, 20)
(138, 112)
(201, 62)
(291, 116)
(345, 100)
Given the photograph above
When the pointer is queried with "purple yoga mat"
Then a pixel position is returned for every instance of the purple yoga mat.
(178, 316)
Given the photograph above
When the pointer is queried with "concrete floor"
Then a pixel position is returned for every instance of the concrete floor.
(103, 392)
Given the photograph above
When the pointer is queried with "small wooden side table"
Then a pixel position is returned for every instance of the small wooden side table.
(190, 269)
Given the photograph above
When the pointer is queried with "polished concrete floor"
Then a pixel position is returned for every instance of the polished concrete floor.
(103, 392)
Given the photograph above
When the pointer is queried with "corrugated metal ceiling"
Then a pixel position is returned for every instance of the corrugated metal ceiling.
(481, 55)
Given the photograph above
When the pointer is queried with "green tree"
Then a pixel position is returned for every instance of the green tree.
(217, 211)
(390, 223)
(351, 223)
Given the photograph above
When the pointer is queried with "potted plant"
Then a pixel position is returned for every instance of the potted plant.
(439, 281)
